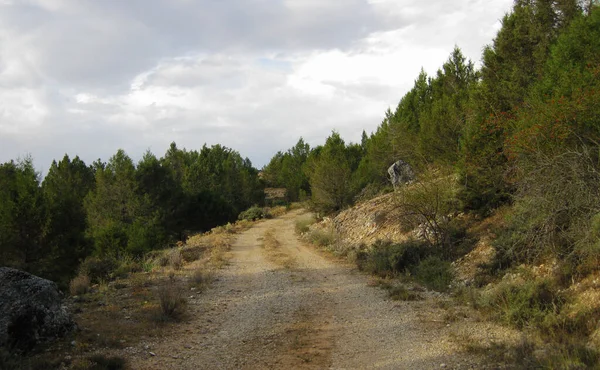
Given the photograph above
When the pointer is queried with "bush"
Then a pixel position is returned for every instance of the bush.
(434, 273)
(303, 223)
(252, 214)
(388, 259)
(192, 253)
(531, 302)
(125, 266)
(79, 285)
(97, 269)
(428, 204)
(323, 238)
(400, 293)
(171, 300)
(175, 259)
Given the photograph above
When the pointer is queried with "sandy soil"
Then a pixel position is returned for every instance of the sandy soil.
(293, 307)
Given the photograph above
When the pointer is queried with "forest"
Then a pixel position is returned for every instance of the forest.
(522, 131)
(117, 208)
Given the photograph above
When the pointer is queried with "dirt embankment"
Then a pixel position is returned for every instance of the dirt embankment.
(280, 304)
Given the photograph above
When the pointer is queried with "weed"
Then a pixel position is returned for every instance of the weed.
(79, 285)
(97, 269)
(175, 259)
(401, 293)
(200, 278)
(323, 238)
(303, 223)
(125, 266)
(530, 302)
(387, 259)
(192, 253)
(275, 253)
(171, 300)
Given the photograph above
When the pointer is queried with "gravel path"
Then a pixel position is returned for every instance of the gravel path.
(306, 312)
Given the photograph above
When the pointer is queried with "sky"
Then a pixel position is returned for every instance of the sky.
(88, 77)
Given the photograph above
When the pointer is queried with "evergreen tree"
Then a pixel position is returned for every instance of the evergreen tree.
(21, 215)
(64, 189)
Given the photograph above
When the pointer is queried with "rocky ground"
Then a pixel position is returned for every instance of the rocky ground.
(286, 305)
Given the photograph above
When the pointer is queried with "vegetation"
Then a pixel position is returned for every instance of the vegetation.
(522, 132)
(115, 210)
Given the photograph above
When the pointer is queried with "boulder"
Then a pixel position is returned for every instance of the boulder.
(31, 310)
(401, 173)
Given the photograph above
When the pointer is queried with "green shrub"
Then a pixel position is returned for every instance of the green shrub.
(97, 269)
(531, 302)
(252, 214)
(400, 293)
(125, 266)
(388, 259)
(303, 223)
(434, 273)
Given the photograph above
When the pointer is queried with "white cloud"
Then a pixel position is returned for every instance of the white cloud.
(90, 77)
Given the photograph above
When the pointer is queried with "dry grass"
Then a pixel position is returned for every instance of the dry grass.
(201, 278)
(175, 259)
(276, 211)
(274, 252)
(303, 223)
(79, 285)
(171, 300)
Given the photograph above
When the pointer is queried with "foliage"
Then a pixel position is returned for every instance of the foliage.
(329, 169)
(435, 273)
(323, 238)
(429, 205)
(303, 223)
(21, 215)
(388, 259)
(530, 302)
(97, 269)
(285, 171)
(252, 214)
(79, 285)
(171, 300)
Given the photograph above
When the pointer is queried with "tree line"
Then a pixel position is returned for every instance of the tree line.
(118, 207)
(521, 131)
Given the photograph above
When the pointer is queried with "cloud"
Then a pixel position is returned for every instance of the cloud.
(89, 77)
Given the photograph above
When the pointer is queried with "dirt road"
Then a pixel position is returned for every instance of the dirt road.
(291, 307)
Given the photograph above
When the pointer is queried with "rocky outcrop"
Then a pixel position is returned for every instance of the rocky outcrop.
(31, 310)
(401, 173)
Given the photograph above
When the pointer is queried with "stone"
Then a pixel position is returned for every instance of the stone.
(31, 310)
(401, 173)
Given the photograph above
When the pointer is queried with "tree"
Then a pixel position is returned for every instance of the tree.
(113, 205)
(329, 171)
(64, 189)
(21, 215)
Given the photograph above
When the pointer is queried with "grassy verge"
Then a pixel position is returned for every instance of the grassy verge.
(124, 302)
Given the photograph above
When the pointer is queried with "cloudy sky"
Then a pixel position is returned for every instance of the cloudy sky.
(86, 77)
